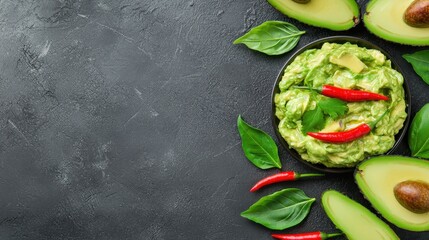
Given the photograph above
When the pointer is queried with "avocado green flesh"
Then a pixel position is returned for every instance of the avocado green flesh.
(314, 68)
(336, 15)
(353, 219)
(377, 177)
(384, 18)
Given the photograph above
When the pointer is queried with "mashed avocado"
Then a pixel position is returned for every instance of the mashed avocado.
(317, 67)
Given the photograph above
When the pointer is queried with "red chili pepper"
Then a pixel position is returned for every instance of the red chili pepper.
(348, 95)
(282, 177)
(346, 136)
(342, 137)
(306, 236)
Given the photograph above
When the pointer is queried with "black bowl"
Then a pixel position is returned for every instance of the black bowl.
(318, 44)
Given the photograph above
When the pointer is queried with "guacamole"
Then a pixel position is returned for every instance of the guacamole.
(367, 70)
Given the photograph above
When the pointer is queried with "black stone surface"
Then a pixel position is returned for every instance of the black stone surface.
(118, 119)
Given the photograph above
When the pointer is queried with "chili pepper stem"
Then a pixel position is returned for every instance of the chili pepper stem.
(330, 235)
(304, 175)
(374, 123)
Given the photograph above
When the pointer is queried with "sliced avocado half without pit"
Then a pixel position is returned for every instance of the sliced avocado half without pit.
(337, 15)
(353, 219)
(377, 178)
(385, 18)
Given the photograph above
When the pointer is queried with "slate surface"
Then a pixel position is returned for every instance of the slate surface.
(118, 119)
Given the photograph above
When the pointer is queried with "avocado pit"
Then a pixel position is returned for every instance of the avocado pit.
(413, 195)
(417, 14)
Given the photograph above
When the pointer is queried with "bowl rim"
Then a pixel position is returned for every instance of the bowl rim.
(317, 44)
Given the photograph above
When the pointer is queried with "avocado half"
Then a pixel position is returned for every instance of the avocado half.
(377, 177)
(353, 219)
(384, 18)
(337, 15)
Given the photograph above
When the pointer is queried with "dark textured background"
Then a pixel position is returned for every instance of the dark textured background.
(118, 119)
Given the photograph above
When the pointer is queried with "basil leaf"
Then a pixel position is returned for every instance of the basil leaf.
(272, 37)
(280, 210)
(420, 61)
(418, 136)
(258, 146)
(313, 120)
(333, 107)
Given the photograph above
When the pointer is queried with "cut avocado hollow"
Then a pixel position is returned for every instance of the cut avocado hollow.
(356, 221)
(384, 18)
(337, 15)
(377, 177)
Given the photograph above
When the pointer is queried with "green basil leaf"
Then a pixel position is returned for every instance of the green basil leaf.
(272, 37)
(280, 210)
(418, 136)
(333, 107)
(258, 146)
(313, 120)
(420, 62)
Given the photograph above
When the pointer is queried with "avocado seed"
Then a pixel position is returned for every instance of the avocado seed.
(413, 195)
(302, 1)
(417, 14)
